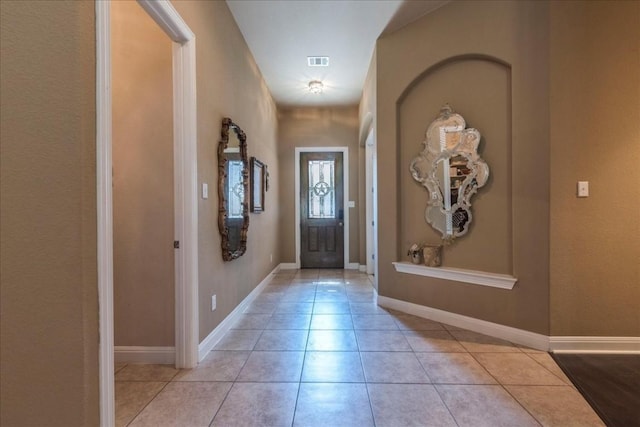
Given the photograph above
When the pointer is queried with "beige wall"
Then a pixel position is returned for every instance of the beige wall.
(316, 127)
(49, 326)
(229, 84)
(494, 73)
(142, 147)
(595, 137)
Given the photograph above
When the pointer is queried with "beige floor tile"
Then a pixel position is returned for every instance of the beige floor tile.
(289, 321)
(484, 406)
(266, 299)
(216, 366)
(433, 341)
(133, 372)
(272, 366)
(361, 296)
(374, 322)
(479, 343)
(367, 308)
(547, 361)
(516, 369)
(238, 339)
(415, 323)
(454, 368)
(560, 406)
(294, 308)
(332, 340)
(132, 397)
(184, 404)
(406, 405)
(282, 340)
(331, 321)
(331, 308)
(252, 321)
(393, 367)
(332, 366)
(258, 404)
(333, 405)
(382, 341)
(331, 297)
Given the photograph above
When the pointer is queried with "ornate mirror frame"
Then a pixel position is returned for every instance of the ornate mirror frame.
(451, 170)
(233, 231)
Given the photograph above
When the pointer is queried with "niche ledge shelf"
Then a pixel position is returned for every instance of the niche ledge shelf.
(494, 280)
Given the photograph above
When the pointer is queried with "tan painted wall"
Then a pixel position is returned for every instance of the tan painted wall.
(595, 136)
(315, 127)
(49, 326)
(499, 84)
(142, 147)
(229, 84)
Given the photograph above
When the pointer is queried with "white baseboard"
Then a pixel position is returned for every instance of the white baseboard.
(362, 269)
(288, 266)
(630, 345)
(515, 335)
(212, 339)
(146, 355)
(352, 266)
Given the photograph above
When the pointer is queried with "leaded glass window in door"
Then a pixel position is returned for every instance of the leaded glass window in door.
(322, 194)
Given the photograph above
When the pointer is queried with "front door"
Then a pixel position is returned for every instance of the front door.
(321, 210)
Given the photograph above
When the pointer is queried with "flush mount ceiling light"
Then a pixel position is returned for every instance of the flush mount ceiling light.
(315, 86)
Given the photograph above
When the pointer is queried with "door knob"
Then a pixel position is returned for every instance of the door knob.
(340, 224)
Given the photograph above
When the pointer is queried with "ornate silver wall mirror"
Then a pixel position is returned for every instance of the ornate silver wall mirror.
(233, 190)
(451, 170)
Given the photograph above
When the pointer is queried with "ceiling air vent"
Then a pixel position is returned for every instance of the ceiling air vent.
(318, 61)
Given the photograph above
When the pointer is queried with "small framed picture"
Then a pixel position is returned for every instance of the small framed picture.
(257, 185)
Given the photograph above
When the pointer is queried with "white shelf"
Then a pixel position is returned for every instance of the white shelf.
(494, 280)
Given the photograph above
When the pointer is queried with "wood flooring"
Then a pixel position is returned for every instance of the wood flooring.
(610, 383)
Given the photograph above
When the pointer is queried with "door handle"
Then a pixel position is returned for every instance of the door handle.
(340, 224)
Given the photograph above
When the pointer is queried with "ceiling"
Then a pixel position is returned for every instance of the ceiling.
(281, 34)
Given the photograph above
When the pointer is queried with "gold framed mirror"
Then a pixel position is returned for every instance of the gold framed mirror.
(233, 190)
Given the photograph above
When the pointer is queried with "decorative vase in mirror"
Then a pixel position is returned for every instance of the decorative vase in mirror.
(451, 170)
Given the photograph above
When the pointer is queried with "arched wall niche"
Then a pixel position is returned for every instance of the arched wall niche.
(479, 88)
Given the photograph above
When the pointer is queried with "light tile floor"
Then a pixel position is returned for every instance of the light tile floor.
(313, 349)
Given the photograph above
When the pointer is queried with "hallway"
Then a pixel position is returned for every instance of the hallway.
(314, 349)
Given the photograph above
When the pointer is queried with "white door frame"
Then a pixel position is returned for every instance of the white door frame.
(185, 192)
(370, 147)
(345, 183)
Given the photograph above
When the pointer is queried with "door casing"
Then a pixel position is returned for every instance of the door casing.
(185, 192)
(345, 174)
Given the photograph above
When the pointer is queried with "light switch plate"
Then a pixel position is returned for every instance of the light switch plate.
(583, 188)
(352, 204)
(205, 190)
(213, 302)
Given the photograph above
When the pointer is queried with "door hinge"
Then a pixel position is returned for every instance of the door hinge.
(176, 244)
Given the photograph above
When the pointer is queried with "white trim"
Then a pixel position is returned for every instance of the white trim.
(515, 335)
(148, 355)
(345, 183)
(185, 182)
(104, 205)
(212, 339)
(288, 266)
(362, 268)
(560, 344)
(352, 266)
(495, 280)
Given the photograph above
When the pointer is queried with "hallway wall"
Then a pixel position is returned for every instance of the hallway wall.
(316, 127)
(142, 146)
(229, 84)
(595, 136)
(48, 291)
(494, 73)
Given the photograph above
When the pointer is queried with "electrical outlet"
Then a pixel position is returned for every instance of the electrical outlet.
(583, 188)
(271, 258)
(213, 302)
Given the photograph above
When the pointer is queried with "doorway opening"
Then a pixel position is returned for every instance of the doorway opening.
(185, 192)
